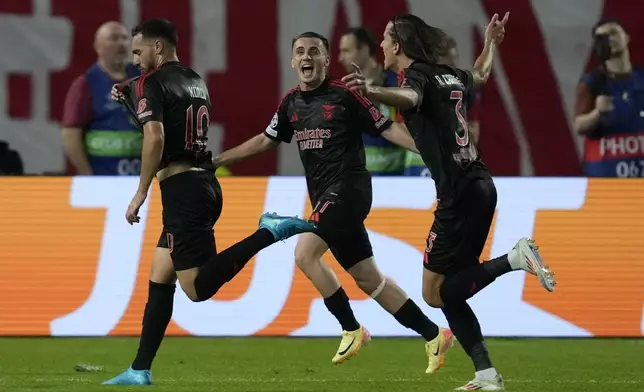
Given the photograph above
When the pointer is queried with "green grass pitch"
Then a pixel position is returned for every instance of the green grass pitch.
(298, 364)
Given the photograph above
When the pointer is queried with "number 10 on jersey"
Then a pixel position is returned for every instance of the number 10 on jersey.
(197, 137)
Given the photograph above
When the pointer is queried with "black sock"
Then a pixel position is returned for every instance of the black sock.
(410, 316)
(156, 317)
(480, 357)
(464, 284)
(499, 266)
(465, 326)
(338, 305)
(224, 266)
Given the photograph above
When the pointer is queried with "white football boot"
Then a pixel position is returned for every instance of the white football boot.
(495, 384)
(530, 261)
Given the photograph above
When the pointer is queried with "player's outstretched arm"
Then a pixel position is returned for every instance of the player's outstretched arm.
(398, 134)
(403, 98)
(494, 34)
(250, 148)
(400, 97)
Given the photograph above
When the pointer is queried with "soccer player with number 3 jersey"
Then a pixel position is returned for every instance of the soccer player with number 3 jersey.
(431, 98)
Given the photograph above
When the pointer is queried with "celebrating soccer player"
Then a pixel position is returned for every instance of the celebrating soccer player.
(327, 121)
(431, 98)
(173, 110)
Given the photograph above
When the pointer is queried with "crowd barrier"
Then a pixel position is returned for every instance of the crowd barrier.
(70, 265)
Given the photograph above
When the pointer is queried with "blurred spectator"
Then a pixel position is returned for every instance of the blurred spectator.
(358, 45)
(98, 136)
(414, 165)
(609, 109)
(10, 161)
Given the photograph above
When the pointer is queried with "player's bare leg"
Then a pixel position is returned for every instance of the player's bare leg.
(156, 317)
(308, 253)
(432, 283)
(395, 301)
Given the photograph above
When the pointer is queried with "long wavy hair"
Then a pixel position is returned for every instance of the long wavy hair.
(418, 40)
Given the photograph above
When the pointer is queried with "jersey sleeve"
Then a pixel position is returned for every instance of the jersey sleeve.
(416, 81)
(280, 128)
(365, 116)
(148, 100)
(466, 77)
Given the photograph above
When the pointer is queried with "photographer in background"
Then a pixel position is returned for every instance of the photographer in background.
(609, 107)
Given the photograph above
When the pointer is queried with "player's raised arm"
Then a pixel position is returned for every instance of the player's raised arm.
(279, 130)
(494, 34)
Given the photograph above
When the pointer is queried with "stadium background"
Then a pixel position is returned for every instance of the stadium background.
(70, 265)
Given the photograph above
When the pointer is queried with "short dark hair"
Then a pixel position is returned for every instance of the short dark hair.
(605, 21)
(311, 34)
(418, 40)
(157, 28)
(364, 37)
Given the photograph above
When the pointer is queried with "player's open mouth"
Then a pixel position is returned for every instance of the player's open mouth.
(307, 70)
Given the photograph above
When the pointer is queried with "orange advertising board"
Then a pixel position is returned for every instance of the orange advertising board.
(70, 265)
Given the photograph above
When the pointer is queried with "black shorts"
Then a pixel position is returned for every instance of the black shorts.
(340, 214)
(459, 232)
(192, 203)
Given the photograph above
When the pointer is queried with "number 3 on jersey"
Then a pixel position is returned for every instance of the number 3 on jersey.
(196, 137)
(465, 139)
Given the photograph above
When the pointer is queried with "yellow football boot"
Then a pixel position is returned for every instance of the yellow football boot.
(352, 342)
